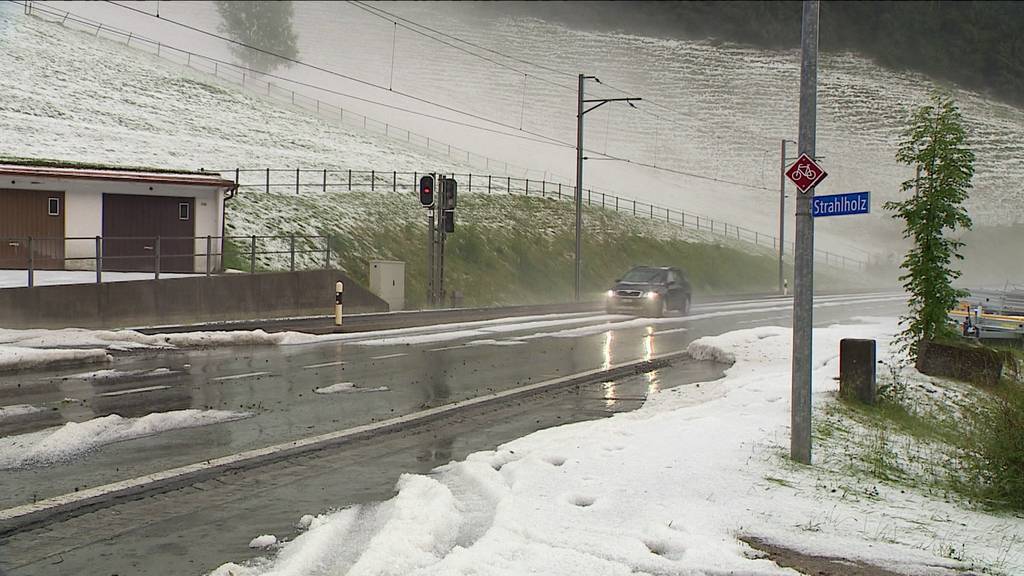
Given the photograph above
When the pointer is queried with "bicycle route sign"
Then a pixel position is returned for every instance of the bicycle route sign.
(805, 173)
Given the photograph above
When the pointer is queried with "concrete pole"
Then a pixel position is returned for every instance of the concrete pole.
(579, 184)
(803, 276)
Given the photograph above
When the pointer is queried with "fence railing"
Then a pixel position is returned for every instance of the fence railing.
(162, 255)
(373, 181)
(313, 181)
(279, 90)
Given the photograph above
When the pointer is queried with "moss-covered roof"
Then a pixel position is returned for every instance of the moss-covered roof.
(51, 163)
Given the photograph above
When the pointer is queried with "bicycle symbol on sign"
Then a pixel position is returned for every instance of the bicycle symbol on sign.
(806, 171)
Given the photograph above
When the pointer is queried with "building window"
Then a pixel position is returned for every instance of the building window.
(53, 207)
(183, 209)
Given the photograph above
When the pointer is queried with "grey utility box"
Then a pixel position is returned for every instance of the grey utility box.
(387, 281)
(857, 370)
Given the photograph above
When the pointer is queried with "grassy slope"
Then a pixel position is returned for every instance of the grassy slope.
(506, 249)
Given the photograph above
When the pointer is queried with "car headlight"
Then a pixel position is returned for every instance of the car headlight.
(651, 295)
(610, 293)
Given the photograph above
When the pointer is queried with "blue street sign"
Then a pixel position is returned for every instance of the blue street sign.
(842, 204)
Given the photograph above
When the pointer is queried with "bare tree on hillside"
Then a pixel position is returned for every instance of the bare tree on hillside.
(263, 30)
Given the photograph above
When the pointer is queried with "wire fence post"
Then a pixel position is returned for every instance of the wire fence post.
(527, 186)
(349, 179)
(508, 185)
(296, 181)
(252, 254)
(559, 190)
(209, 254)
(373, 178)
(471, 182)
(292, 252)
(268, 180)
(488, 183)
(156, 259)
(394, 181)
(31, 264)
(325, 180)
(99, 260)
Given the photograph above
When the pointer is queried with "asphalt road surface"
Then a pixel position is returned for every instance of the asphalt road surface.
(194, 529)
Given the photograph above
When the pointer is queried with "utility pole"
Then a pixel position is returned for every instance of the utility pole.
(598, 102)
(803, 275)
(579, 186)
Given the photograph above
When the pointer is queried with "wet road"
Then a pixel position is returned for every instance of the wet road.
(199, 527)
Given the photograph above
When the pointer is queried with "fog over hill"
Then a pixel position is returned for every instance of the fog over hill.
(714, 113)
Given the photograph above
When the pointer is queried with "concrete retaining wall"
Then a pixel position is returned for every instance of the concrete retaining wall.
(976, 364)
(182, 300)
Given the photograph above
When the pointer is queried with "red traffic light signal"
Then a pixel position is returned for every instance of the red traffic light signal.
(427, 190)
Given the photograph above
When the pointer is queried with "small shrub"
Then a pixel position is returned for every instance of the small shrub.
(1000, 439)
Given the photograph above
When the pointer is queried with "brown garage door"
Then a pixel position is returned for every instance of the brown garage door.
(38, 214)
(131, 225)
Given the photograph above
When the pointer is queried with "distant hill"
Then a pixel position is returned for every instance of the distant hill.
(978, 45)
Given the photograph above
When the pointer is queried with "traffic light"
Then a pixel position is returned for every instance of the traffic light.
(448, 221)
(449, 192)
(427, 190)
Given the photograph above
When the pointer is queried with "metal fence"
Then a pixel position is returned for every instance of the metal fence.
(279, 90)
(279, 180)
(162, 255)
(313, 181)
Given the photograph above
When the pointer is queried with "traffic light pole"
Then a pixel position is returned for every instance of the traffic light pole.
(430, 256)
(436, 270)
(803, 273)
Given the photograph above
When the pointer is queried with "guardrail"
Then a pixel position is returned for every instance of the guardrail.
(318, 181)
(189, 255)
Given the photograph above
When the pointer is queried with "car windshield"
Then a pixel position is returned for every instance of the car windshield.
(645, 275)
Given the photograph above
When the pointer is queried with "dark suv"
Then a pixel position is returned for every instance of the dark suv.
(649, 291)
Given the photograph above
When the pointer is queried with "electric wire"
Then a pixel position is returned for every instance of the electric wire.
(338, 74)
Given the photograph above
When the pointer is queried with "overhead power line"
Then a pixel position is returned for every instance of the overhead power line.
(394, 19)
(543, 139)
(338, 74)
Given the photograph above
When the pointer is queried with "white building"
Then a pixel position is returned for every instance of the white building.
(69, 217)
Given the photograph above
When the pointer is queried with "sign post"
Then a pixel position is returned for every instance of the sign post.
(806, 174)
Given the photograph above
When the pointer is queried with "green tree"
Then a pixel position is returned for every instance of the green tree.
(935, 144)
(262, 29)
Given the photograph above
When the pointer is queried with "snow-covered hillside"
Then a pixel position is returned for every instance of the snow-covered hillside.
(717, 111)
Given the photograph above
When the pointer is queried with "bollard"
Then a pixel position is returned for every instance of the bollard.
(338, 291)
(857, 370)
